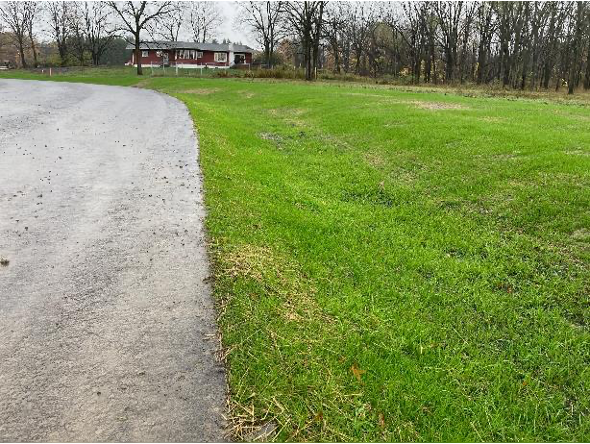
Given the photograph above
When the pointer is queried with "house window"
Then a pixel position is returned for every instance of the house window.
(189, 54)
(240, 59)
(221, 57)
(145, 53)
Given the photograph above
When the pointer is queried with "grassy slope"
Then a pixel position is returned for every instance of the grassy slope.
(398, 265)
(440, 253)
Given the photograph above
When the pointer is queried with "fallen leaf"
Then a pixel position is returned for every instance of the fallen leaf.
(357, 372)
(381, 420)
(319, 417)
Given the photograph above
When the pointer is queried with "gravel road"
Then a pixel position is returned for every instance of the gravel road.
(107, 328)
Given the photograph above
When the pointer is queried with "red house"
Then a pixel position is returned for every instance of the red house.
(193, 55)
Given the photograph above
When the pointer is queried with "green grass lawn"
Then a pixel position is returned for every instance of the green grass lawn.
(397, 265)
(123, 76)
(119, 76)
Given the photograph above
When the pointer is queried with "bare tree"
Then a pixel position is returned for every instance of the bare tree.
(77, 37)
(168, 26)
(574, 69)
(59, 21)
(449, 15)
(91, 24)
(204, 19)
(336, 27)
(14, 14)
(264, 18)
(306, 20)
(1, 36)
(136, 17)
(390, 17)
(30, 10)
(520, 44)
(414, 34)
(362, 21)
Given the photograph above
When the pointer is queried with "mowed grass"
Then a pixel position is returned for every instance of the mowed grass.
(115, 76)
(397, 266)
(119, 76)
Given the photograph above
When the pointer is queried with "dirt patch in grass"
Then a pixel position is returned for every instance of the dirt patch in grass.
(279, 277)
(404, 176)
(273, 137)
(581, 235)
(363, 94)
(142, 84)
(578, 153)
(246, 94)
(286, 112)
(200, 91)
(493, 119)
(573, 117)
(437, 106)
(291, 301)
(375, 160)
(501, 156)
(249, 261)
(291, 116)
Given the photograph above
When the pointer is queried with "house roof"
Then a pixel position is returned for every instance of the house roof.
(221, 47)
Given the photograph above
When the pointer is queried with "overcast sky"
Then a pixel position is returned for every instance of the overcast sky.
(230, 28)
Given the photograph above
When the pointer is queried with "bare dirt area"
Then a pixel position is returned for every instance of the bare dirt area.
(107, 326)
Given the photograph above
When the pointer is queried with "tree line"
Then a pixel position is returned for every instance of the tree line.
(523, 45)
(82, 32)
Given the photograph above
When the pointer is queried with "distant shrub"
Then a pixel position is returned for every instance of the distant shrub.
(341, 77)
(281, 72)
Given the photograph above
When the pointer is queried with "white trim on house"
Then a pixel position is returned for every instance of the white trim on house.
(193, 65)
(180, 65)
(188, 54)
(220, 57)
(240, 54)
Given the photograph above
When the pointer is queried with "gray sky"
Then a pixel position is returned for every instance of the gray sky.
(230, 29)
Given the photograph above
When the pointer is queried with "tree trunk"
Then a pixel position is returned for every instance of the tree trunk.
(63, 52)
(138, 56)
(308, 64)
(574, 68)
(449, 65)
(34, 49)
(336, 52)
(21, 48)
(267, 54)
